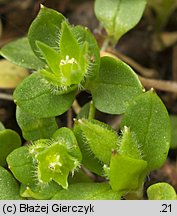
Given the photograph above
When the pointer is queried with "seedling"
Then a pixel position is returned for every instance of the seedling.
(66, 60)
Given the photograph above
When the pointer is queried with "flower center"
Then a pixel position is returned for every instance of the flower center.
(67, 60)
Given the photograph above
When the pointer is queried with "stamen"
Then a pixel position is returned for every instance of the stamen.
(67, 60)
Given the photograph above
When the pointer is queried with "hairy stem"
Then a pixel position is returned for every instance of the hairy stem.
(91, 111)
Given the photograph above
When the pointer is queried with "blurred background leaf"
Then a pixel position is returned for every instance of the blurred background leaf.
(10, 74)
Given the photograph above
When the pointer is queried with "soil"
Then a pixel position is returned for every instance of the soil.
(141, 45)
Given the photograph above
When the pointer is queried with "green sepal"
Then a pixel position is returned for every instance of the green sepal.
(19, 52)
(51, 56)
(118, 16)
(147, 117)
(9, 187)
(115, 86)
(161, 191)
(54, 163)
(74, 62)
(83, 35)
(100, 138)
(22, 165)
(126, 174)
(36, 96)
(9, 140)
(66, 135)
(88, 191)
(68, 43)
(34, 128)
(40, 191)
(53, 159)
(45, 28)
(38, 146)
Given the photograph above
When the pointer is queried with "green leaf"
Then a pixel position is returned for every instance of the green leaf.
(45, 28)
(161, 191)
(100, 138)
(40, 191)
(115, 86)
(8, 186)
(67, 135)
(119, 16)
(147, 117)
(9, 140)
(173, 121)
(88, 191)
(1, 126)
(19, 52)
(126, 174)
(82, 34)
(35, 128)
(36, 96)
(129, 145)
(21, 164)
(88, 158)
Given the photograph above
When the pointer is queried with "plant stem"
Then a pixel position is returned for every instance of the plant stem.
(105, 44)
(6, 96)
(91, 111)
(69, 118)
(135, 195)
(168, 86)
(76, 107)
(88, 173)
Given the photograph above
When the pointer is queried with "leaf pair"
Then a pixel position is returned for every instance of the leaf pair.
(143, 146)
